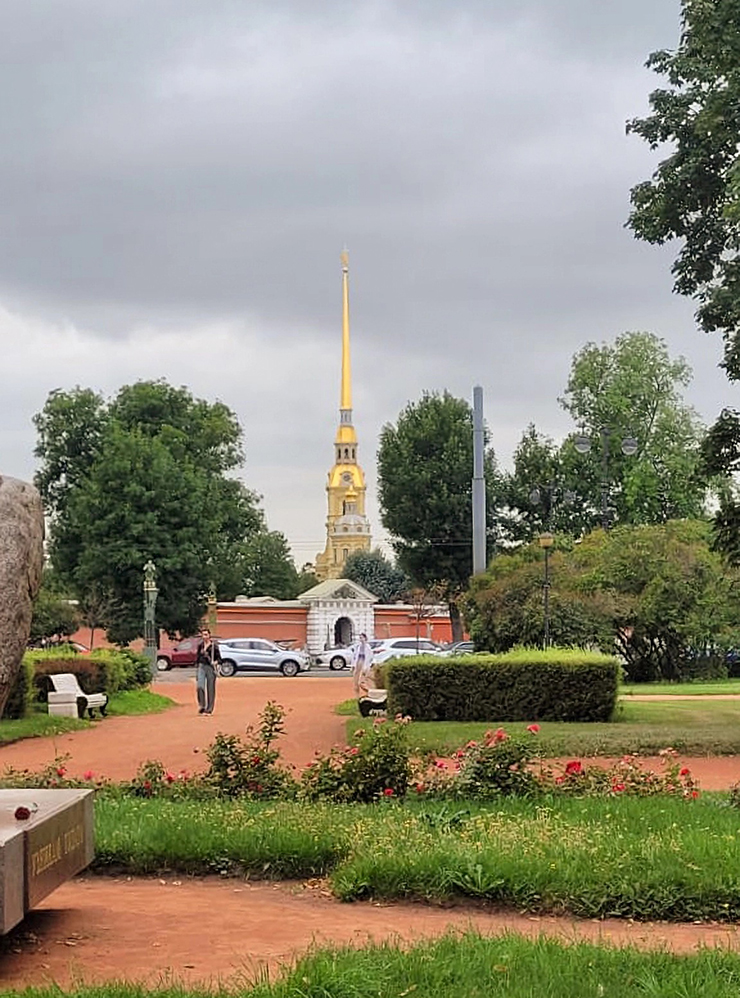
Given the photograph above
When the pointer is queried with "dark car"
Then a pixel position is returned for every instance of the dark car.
(183, 654)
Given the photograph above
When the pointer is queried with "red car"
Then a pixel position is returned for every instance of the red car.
(183, 654)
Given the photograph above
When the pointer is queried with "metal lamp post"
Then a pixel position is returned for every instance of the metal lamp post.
(628, 446)
(546, 541)
(150, 604)
(548, 496)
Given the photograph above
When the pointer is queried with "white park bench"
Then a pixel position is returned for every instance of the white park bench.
(68, 700)
(373, 703)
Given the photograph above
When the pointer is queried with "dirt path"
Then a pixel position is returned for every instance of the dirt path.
(204, 930)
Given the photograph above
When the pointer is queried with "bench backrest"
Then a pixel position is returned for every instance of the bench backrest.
(66, 682)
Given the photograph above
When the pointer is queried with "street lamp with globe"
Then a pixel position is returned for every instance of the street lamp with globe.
(629, 448)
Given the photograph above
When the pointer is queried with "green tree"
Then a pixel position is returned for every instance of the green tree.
(147, 487)
(377, 574)
(505, 607)
(657, 592)
(632, 389)
(542, 493)
(425, 467)
(269, 568)
(693, 195)
(54, 615)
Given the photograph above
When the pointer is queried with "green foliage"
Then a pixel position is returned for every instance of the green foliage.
(497, 766)
(469, 965)
(693, 195)
(106, 670)
(525, 684)
(375, 767)
(632, 388)
(249, 768)
(144, 476)
(269, 569)
(53, 614)
(505, 606)
(659, 591)
(695, 726)
(377, 574)
(424, 481)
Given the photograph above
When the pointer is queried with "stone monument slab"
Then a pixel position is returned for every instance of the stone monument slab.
(40, 852)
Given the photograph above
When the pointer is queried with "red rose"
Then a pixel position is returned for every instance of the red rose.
(388, 792)
(573, 768)
(533, 729)
(22, 813)
(61, 771)
(685, 771)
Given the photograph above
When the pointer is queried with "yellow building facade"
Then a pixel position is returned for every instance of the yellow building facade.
(347, 526)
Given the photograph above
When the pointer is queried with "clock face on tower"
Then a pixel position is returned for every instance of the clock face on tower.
(346, 478)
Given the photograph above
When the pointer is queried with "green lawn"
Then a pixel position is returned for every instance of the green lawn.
(468, 966)
(644, 858)
(39, 723)
(717, 686)
(695, 727)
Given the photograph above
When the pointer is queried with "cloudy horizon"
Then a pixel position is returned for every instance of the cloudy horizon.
(179, 180)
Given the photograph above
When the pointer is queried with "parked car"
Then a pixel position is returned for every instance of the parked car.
(460, 648)
(258, 655)
(400, 647)
(336, 658)
(183, 654)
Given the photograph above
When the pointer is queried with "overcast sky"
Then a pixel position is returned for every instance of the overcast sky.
(178, 178)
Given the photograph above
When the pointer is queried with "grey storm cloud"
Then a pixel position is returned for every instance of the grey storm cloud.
(176, 165)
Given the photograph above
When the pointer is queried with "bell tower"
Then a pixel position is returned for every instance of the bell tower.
(347, 526)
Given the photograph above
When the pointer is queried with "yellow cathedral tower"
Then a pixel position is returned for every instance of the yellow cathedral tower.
(347, 526)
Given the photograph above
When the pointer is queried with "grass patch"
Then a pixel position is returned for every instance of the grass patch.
(142, 701)
(695, 727)
(472, 966)
(37, 725)
(641, 858)
(714, 687)
(40, 724)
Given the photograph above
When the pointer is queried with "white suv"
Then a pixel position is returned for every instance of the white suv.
(400, 647)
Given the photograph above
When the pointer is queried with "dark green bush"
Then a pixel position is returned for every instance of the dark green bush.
(105, 670)
(561, 684)
(21, 693)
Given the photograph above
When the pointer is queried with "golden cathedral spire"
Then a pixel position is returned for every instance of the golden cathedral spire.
(347, 527)
(345, 401)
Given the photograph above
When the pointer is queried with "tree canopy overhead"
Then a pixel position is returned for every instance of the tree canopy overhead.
(694, 195)
(145, 476)
(425, 468)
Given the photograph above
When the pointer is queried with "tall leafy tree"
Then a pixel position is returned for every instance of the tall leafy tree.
(269, 569)
(633, 389)
(378, 575)
(425, 468)
(694, 197)
(144, 476)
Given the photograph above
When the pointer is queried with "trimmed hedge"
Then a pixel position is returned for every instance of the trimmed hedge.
(561, 684)
(106, 670)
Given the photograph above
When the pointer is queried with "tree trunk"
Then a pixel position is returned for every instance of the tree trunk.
(455, 621)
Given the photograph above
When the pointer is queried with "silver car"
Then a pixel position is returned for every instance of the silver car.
(260, 655)
(400, 647)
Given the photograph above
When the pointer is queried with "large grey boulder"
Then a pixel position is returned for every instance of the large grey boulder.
(21, 563)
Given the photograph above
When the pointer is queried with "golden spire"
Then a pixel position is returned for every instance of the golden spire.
(345, 402)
